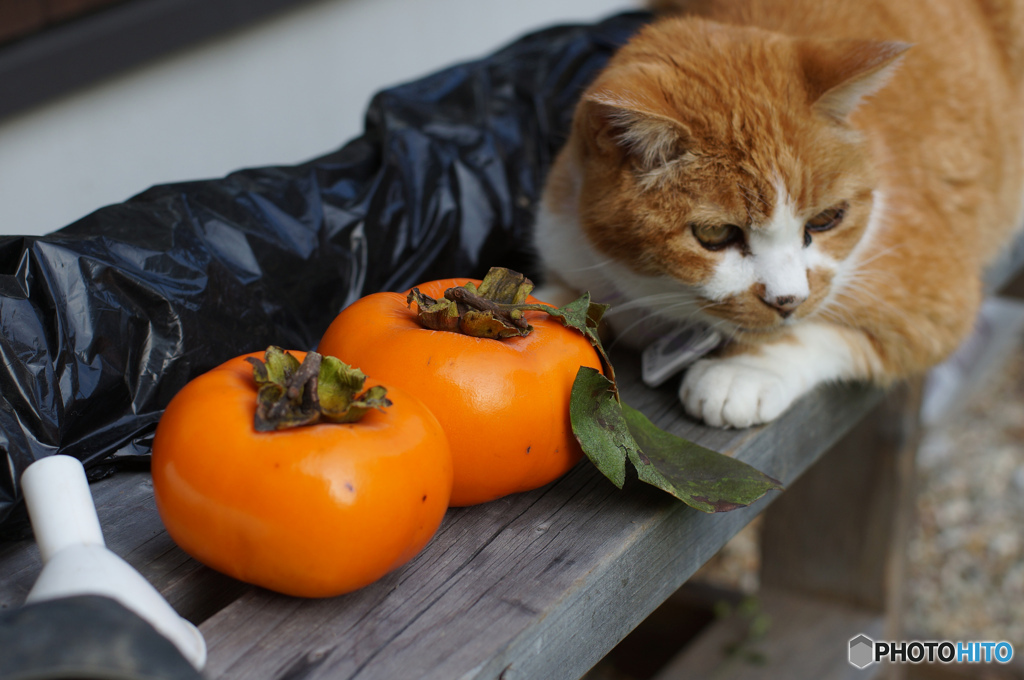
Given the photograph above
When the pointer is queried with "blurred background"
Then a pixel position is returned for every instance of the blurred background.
(173, 90)
(280, 88)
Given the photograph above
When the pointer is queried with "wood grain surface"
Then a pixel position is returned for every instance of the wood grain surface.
(535, 585)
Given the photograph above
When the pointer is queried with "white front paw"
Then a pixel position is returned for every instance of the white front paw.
(736, 392)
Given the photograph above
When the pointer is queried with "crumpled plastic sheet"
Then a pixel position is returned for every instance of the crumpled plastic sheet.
(102, 322)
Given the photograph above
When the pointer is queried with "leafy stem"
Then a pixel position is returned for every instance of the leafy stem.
(610, 432)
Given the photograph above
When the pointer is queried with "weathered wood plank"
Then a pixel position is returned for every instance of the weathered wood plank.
(537, 585)
(19, 567)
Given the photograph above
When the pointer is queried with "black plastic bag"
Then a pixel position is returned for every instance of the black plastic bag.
(102, 322)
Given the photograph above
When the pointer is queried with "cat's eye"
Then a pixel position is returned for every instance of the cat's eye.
(717, 236)
(827, 219)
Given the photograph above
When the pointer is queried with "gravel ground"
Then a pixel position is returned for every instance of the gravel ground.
(966, 554)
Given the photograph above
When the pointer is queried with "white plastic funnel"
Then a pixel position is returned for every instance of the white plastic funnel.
(76, 560)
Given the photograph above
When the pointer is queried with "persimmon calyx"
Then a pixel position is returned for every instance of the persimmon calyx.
(291, 394)
(494, 309)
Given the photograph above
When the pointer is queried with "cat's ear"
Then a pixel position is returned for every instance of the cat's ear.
(623, 122)
(839, 74)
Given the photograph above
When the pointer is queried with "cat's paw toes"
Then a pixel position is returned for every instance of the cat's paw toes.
(732, 393)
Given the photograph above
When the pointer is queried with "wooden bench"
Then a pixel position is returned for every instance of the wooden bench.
(542, 585)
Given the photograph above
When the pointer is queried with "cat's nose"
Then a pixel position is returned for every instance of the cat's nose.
(784, 304)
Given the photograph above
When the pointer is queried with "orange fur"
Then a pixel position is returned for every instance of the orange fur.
(908, 114)
(750, 122)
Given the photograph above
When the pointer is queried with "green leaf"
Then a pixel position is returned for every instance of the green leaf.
(702, 478)
(611, 432)
(598, 424)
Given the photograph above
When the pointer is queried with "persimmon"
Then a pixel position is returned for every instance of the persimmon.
(502, 399)
(275, 494)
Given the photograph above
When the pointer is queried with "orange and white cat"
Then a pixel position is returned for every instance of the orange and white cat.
(823, 182)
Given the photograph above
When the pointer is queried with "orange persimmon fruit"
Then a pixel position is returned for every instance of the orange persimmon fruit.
(314, 510)
(504, 403)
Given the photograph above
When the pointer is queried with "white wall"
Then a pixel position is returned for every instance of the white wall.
(282, 92)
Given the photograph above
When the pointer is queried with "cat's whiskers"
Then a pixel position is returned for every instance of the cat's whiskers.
(835, 311)
(652, 301)
(859, 264)
(859, 276)
(621, 334)
(727, 328)
(859, 285)
(590, 267)
(658, 304)
(857, 280)
(732, 331)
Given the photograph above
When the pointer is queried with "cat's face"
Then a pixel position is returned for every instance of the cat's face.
(727, 170)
